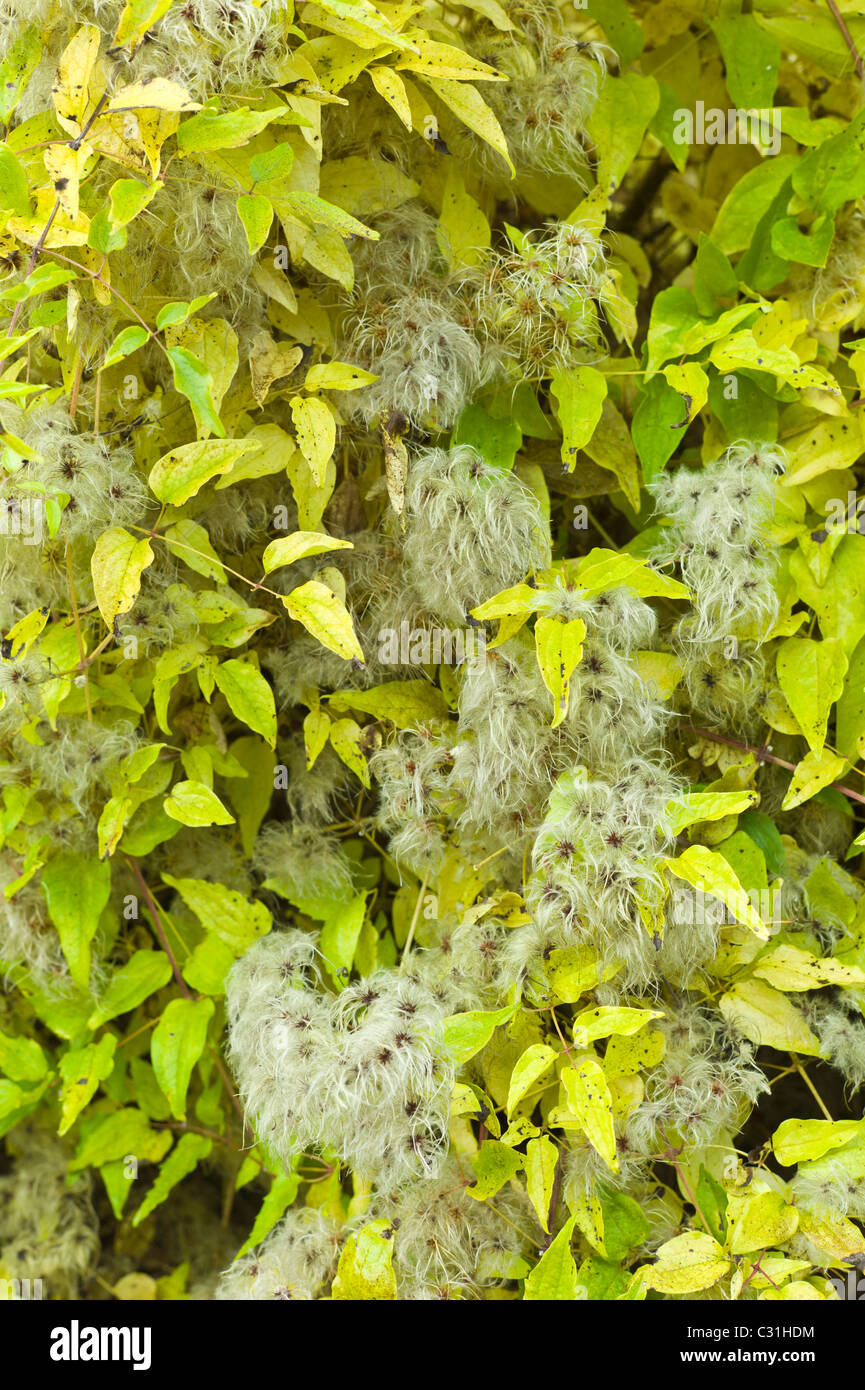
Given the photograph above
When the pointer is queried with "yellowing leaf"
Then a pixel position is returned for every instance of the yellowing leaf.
(462, 231)
(590, 1100)
(469, 106)
(579, 395)
(365, 1270)
(315, 428)
(325, 617)
(692, 807)
(761, 1220)
(554, 1277)
(531, 1065)
(797, 1141)
(766, 1017)
(390, 85)
(181, 473)
(116, 565)
(541, 1157)
(813, 773)
(686, 1264)
(559, 647)
(337, 376)
(157, 93)
(791, 969)
(288, 549)
(811, 675)
(345, 738)
(606, 1019)
(81, 1071)
(71, 92)
(193, 803)
(316, 730)
(710, 873)
(137, 16)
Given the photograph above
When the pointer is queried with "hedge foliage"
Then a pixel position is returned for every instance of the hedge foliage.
(432, 690)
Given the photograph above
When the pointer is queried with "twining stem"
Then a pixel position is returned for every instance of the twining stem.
(847, 37)
(158, 927)
(763, 756)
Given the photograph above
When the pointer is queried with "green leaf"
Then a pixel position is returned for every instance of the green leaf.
(81, 1070)
(193, 380)
(209, 130)
(177, 1043)
(658, 425)
(128, 340)
(76, 888)
(20, 61)
(207, 967)
(404, 703)
(256, 215)
(223, 911)
(465, 1034)
(190, 1150)
(499, 441)
(14, 189)
(621, 30)
(339, 938)
(272, 164)
(117, 1136)
(249, 697)
(283, 1191)
(554, 1277)
(143, 974)
(287, 550)
(811, 675)
(494, 1164)
(22, 1059)
(579, 395)
(621, 115)
(751, 57)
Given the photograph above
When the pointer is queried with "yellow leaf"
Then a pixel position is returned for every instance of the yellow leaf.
(559, 647)
(813, 773)
(828, 443)
(760, 1221)
(766, 1017)
(469, 106)
(269, 361)
(590, 1100)
(345, 739)
(315, 428)
(660, 670)
(692, 382)
(365, 1270)
(325, 617)
(193, 803)
(337, 376)
(72, 92)
(541, 1157)
(116, 566)
(442, 60)
(791, 969)
(710, 873)
(811, 675)
(288, 549)
(153, 93)
(798, 1141)
(686, 1264)
(390, 85)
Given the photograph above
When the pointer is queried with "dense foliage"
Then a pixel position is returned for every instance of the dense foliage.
(432, 686)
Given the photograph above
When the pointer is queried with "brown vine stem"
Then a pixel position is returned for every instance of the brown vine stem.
(847, 37)
(157, 924)
(763, 756)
